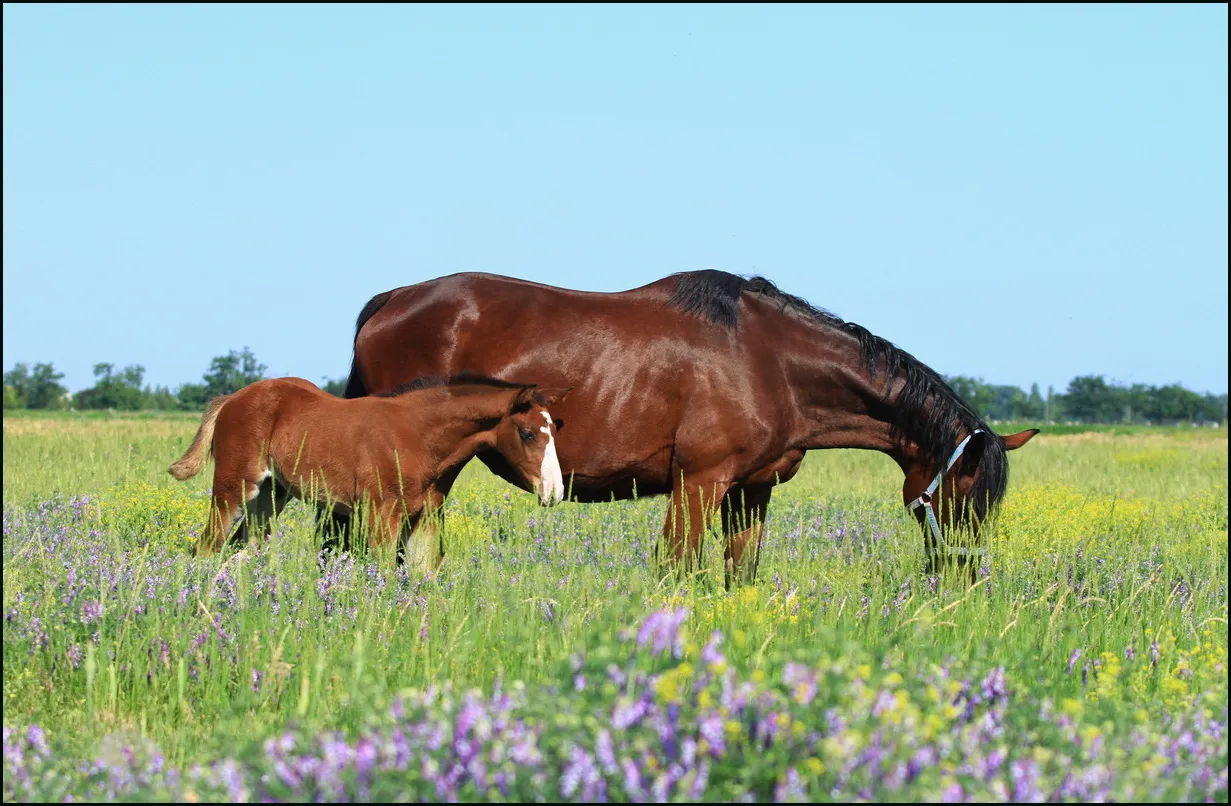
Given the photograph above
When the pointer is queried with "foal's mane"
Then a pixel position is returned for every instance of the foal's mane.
(464, 378)
(926, 410)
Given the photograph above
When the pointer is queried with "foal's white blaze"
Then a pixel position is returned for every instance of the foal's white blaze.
(551, 481)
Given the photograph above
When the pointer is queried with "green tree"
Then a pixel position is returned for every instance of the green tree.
(160, 398)
(335, 388)
(34, 389)
(975, 392)
(232, 372)
(16, 381)
(192, 396)
(114, 391)
(1089, 399)
(1213, 408)
(1035, 407)
(1005, 402)
(1172, 404)
(227, 374)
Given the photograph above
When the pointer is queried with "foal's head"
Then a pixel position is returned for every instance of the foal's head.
(525, 438)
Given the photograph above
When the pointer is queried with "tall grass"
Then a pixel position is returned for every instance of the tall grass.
(1107, 587)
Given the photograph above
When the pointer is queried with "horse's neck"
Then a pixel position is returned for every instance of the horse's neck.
(839, 404)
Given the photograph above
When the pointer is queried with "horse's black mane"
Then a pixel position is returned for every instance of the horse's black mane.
(462, 378)
(926, 409)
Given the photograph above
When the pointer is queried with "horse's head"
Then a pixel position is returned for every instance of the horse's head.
(959, 492)
(526, 440)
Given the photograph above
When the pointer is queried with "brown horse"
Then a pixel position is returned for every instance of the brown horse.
(285, 438)
(734, 381)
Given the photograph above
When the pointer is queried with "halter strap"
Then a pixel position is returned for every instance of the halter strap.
(925, 500)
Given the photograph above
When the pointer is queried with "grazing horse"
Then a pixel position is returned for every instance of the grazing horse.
(702, 385)
(283, 438)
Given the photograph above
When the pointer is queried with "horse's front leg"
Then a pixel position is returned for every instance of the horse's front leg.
(693, 502)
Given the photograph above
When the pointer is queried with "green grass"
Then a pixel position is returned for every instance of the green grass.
(1110, 541)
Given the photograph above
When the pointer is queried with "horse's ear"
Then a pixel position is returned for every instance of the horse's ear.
(552, 396)
(1014, 441)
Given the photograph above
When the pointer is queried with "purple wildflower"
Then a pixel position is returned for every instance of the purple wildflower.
(663, 628)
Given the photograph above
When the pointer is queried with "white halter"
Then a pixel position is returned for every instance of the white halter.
(925, 501)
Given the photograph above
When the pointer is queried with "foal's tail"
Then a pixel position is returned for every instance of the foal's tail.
(190, 463)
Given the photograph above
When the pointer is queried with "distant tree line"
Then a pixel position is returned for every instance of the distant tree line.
(1091, 399)
(123, 390)
(1088, 399)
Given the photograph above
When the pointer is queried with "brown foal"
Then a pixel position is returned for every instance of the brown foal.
(286, 438)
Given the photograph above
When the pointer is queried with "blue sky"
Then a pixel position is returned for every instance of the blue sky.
(1021, 193)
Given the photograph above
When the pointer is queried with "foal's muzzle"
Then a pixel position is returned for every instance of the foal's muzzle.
(551, 480)
(549, 493)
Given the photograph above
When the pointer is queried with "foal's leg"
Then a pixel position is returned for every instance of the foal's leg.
(388, 522)
(692, 504)
(425, 549)
(237, 489)
(271, 499)
(226, 511)
(426, 545)
(335, 524)
(743, 524)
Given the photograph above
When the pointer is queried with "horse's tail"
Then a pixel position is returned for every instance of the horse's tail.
(190, 463)
(355, 387)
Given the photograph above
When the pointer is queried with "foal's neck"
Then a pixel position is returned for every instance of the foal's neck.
(462, 421)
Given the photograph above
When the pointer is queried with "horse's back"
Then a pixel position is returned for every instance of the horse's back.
(643, 370)
(493, 324)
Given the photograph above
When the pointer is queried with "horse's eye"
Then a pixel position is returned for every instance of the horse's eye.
(527, 435)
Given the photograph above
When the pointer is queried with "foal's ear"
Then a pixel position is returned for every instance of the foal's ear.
(550, 396)
(523, 400)
(1014, 441)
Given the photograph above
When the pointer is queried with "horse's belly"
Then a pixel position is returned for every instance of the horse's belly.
(779, 471)
(598, 475)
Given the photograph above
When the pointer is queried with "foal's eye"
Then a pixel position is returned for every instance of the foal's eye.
(527, 435)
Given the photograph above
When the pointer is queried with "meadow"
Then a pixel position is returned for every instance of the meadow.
(548, 660)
